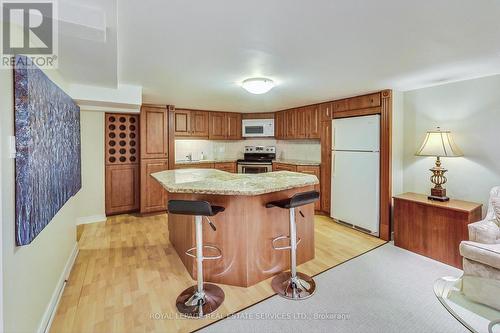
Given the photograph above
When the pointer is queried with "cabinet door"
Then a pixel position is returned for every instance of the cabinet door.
(340, 106)
(153, 195)
(301, 121)
(364, 102)
(325, 110)
(154, 132)
(290, 123)
(284, 167)
(195, 166)
(182, 122)
(315, 171)
(122, 189)
(279, 125)
(226, 166)
(233, 126)
(313, 122)
(199, 123)
(326, 160)
(218, 129)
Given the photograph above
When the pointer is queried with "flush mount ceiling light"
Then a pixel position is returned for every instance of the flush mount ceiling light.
(258, 85)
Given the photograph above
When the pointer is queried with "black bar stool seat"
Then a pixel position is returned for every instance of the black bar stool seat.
(292, 284)
(299, 199)
(203, 298)
(191, 207)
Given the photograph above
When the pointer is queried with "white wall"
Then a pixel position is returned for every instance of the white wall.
(471, 110)
(309, 150)
(93, 183)
(30, 273)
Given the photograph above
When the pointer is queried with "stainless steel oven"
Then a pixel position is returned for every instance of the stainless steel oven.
(258, 159)
(255, 167)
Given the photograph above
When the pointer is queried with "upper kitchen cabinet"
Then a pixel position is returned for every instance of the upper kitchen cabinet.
(224, 126)
(326, 111)
(191, 123)
(313, 130)
(357, 106)
(233, 126)
(299, 123)
(154, 132)
(279, 125)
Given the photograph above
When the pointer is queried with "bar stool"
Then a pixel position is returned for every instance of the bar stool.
(203, 298)
(292, 284)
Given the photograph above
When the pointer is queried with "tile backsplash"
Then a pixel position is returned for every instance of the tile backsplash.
(308, 150)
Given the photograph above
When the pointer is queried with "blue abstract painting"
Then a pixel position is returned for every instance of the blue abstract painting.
(48, 160)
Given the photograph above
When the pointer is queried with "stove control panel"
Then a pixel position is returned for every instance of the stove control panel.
(260, 149)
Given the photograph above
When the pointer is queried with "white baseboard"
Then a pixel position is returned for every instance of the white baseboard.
(91, 219)
(50, 311)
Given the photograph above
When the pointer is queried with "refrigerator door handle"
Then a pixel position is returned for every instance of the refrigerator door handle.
(333, 163)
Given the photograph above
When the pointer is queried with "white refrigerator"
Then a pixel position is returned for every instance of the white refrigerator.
(355, 193)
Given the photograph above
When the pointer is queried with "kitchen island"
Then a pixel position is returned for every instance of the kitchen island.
(246, 228)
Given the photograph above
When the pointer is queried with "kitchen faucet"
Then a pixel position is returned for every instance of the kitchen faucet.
(189, 157)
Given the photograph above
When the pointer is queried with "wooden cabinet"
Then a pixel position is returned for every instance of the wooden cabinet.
(181, 123)
(431, 228)
(315, 171)
(153, 195)
(224, 126)
(154, 132)
(279, 123)
(300, 123)
(357, 106)
(313, 122)
(122, 144)
(325, 111)
(226, 166)
(218, 128)
(233, 126)
(191, 123)
(207, 165)
(284, 167)
(122, 188)
(154, 155)
(301, 118)
(199, 123)
(326, 162)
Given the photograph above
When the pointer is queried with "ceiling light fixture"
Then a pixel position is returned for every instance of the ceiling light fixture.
(258, 85)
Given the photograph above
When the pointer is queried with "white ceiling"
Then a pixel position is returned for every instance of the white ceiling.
(194, 53)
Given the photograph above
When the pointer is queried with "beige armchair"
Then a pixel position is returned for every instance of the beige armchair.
(481, 256)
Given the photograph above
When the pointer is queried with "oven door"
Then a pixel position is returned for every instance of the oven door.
(254, 168)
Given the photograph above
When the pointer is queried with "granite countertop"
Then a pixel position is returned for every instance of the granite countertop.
(296, 162)
(211, 181)
(224, 160)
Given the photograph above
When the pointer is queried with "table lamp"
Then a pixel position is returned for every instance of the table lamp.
(438, 143)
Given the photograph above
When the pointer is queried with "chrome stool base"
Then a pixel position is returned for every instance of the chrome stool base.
(193, 304)
(298, 288)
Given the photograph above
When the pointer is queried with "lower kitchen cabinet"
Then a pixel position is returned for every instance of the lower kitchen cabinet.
(195, 166)
(309, 169)
(315, 171)
(153, 195)
(122, 188)
(226, 166)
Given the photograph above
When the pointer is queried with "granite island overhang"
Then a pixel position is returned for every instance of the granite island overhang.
(246, 228)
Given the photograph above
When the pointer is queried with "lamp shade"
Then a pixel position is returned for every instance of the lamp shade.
(440, 144)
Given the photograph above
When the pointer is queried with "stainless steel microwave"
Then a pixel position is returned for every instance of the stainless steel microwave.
(257, 127)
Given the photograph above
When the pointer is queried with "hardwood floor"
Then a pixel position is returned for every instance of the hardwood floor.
(127, 276)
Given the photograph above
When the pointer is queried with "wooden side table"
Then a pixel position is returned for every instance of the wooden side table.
(431, 228)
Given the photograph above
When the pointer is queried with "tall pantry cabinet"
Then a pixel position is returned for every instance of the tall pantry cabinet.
(136, 146)
(154, 157)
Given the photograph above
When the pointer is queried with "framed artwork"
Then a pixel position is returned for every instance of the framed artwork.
(48, 160)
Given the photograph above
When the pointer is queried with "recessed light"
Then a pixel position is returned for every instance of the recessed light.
(258, 85)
